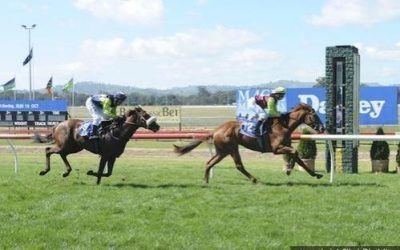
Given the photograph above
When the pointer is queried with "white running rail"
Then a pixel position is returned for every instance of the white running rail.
(330, 138)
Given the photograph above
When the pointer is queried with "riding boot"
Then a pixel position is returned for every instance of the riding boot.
(100, 130)
(261, 142)
(258, 128)
(94, 132)
(259, 135)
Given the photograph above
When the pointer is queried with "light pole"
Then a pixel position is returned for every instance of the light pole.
(31, 94)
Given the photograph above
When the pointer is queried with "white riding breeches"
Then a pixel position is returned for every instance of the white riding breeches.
(260, 112)
(96, 112)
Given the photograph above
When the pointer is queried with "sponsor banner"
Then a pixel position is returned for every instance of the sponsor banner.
(163, 113)
(315, 97)
(24, 105)
(378, 105)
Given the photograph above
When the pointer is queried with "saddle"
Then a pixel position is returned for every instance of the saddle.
(104, 127)
(252, 129)
(93, 132)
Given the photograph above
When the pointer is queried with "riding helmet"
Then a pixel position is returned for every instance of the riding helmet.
(120, 96)
(279, 90)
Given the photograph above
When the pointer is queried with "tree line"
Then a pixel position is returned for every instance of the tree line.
(203, 97)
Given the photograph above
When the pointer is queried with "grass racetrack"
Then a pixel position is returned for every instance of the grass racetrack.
(157, 200)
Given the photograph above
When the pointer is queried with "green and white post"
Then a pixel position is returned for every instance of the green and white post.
(342, 73)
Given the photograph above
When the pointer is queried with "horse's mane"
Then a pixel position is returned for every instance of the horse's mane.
(301, 106)
(284, 118)
(119, 120)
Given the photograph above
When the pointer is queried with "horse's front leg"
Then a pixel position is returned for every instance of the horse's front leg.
(295, 155)
(290, 164)
(100, 171)
(110, 166)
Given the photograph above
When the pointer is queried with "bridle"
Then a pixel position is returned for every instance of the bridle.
(138, 120)
(141, 120)
(316, 124)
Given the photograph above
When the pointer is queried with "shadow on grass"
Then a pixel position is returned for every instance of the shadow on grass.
(218, 186)
(162, 186)
(337, 184)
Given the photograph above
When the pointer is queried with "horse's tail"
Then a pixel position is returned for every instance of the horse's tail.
(43, 139)
(187, 148)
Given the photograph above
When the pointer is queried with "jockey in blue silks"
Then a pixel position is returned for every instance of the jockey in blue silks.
(103, 107)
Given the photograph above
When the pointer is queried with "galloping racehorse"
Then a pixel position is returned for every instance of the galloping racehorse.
(227, 139)
(111, 145)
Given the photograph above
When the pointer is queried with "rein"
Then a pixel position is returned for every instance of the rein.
(131, 123)
(137, 122)
(112, 131)
(286, 118)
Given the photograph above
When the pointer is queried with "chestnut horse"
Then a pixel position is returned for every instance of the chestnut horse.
(109, 147)
(227, 138)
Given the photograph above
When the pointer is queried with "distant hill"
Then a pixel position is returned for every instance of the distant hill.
(91, 88)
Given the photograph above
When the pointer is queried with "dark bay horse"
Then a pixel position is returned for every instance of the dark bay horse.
(227, 138)
(112, 144)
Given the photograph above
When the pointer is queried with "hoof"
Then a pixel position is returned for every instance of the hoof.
(319, 176)
(42, 172)
(254, 180)
(65, 174)
(288, 172)
(90, 172)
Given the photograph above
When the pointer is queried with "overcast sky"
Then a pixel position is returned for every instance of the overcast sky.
(167, 43)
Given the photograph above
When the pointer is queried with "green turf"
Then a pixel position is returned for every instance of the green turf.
(160, 201)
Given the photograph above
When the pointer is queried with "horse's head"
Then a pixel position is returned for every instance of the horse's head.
(142, 119)
(309, 116)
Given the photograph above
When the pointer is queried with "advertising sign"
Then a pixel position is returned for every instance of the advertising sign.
(23, 113)
(378, 105)
(163, 113)
(39, 105)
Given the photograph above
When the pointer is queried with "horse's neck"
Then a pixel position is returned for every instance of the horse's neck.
(127, 131)
(293, 123)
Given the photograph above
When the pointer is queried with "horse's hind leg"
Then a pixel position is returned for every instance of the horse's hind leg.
(67, 165)
(211, 163)
(239, 165)
(49, 151)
